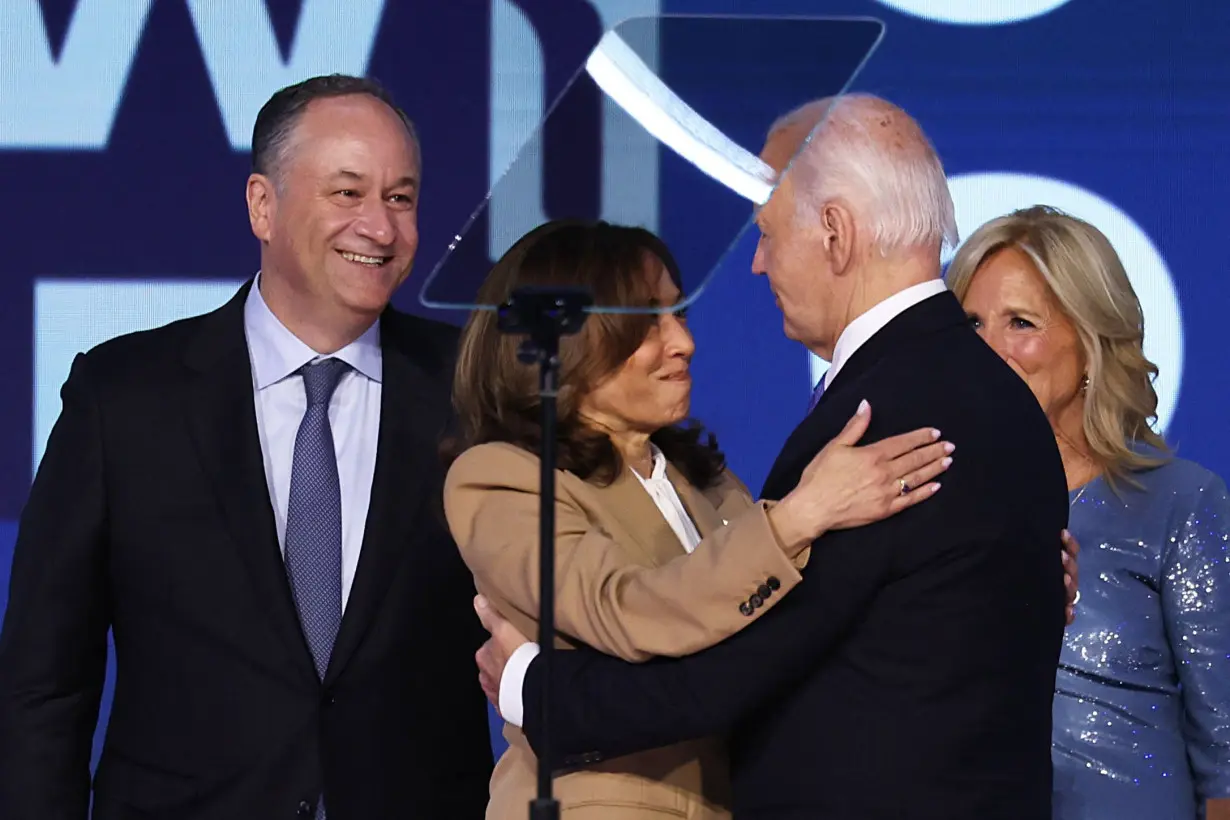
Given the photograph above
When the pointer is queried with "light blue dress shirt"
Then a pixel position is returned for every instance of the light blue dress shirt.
(354, 415)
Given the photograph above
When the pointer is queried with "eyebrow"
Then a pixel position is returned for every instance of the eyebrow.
(403, 182)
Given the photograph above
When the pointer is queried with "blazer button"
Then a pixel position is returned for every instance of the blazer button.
(305, 809)
(756, 601)
(773, 583)
(764, 591)
(745, 608)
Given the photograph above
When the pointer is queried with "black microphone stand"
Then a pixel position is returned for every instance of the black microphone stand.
(544, 315)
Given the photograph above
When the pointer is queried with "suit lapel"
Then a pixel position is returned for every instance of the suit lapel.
(222, 419)
(411, 418)
(640, 517)
(704, 515)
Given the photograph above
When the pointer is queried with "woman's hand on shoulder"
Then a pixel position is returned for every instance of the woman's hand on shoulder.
(847, 485)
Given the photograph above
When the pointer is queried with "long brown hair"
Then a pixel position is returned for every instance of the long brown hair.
(496, 396)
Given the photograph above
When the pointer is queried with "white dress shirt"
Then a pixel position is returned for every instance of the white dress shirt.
(852, 338)
(281, 401)
(667, 499)
(671, 506)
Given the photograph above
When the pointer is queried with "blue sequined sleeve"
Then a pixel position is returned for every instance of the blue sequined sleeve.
(1196, 608)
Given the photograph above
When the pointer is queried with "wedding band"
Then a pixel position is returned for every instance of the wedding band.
(905, 488)
(1077, 599)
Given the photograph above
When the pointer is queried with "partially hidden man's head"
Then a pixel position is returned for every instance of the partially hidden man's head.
(333, 196)
(861, 189)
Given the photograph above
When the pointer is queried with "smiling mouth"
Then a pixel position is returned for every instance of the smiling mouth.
(370, 261)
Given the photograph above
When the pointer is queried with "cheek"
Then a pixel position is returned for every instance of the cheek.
(1029, 352)
(408, 230)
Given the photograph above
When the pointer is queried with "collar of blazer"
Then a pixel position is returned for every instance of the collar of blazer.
(640, 517)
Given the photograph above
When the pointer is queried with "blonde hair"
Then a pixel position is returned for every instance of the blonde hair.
(890, 172)
(1086, 276)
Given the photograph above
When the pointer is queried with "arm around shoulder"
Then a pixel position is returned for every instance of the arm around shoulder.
(603, 597)
(53, 646)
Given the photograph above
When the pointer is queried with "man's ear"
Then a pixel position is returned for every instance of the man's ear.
(837, 227)
(262, 203)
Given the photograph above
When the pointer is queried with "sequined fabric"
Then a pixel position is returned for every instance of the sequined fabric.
(1142, 703)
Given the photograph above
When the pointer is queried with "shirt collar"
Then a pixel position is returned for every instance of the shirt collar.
(659, 463)
(873, 321)
(277, 353)
(657, 472)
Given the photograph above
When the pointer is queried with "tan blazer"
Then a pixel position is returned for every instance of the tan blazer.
(625, 586)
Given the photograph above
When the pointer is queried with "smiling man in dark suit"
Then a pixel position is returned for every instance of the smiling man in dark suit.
(249, 500)
(911, 673)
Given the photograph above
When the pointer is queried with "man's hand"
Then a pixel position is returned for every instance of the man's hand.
(493, 656)
(1071, 573)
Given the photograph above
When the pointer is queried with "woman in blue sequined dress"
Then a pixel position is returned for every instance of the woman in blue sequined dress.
(1142, 702)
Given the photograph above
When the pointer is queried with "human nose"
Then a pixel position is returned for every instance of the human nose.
(996, 341)
(679, 341)
(759, 261)
(374, 223)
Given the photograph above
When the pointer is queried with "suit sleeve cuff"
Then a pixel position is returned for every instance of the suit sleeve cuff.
(512, 705)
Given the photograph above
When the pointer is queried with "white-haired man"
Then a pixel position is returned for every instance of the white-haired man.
(911, 674)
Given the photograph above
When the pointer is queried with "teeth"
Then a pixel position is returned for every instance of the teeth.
(366, 260)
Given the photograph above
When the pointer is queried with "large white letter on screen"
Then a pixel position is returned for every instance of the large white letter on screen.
(72, 316)
(244, 63)
(69, 103)
(518, 104)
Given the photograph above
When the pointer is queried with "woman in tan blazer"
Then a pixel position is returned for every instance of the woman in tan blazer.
(660, 550)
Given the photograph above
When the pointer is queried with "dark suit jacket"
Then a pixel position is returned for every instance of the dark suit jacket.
(150, 514)
(910, 674)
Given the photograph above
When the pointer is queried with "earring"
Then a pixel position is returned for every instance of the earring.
(1085, 384)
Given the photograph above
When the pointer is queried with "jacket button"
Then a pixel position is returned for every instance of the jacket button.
(773, 583)
(745, 608)
(756, 601)
(305, 809)
(764, 591)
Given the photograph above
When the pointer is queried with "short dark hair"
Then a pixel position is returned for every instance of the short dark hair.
(496, 396)
(278, 116)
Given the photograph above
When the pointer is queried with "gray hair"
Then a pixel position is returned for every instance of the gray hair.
(890, 176)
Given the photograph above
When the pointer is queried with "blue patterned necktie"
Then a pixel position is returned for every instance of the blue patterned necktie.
(816, 393)
(314, 516)
(314, 520)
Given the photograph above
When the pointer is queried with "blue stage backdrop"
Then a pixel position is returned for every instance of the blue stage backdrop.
(124, 127)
